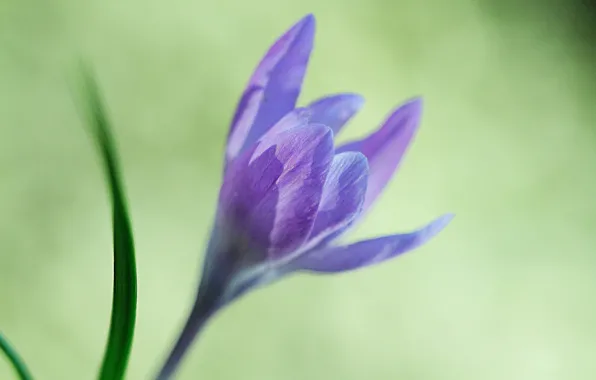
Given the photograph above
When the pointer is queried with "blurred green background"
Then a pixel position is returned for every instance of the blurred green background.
(507, 143)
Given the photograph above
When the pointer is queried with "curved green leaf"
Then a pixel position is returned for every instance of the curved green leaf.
(14, 359)
(124, 300)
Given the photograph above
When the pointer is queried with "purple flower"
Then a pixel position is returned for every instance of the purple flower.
(288, 191)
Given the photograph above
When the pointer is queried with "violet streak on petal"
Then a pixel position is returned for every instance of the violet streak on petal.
(271, 193)
(335, 111)
(385, 147)
(273, 88)
(368, 252)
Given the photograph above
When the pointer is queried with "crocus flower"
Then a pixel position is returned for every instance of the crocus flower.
(289, 192)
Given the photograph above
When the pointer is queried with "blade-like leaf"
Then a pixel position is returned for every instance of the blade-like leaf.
(124, 296)
(14, 359)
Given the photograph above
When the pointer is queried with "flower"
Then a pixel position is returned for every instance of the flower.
(288, 192)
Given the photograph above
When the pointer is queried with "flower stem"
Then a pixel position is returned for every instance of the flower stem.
(204, 307)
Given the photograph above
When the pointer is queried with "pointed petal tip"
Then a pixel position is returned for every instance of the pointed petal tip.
(306, 22)
(447, 217)
(405, 119)
(308, 18)
(351, 101)
(335, 110)
(356, 100)
(439, 224)
(416, 99)
(335, 259)
(412, 106)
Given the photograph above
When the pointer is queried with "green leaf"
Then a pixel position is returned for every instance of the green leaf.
(14, 359)
(124, 300)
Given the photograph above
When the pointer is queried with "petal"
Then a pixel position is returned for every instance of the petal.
(368, 252)
(343, 196)
(271, 193)
(298, 117)
(273, 88)
(385, 148)
(332, 111)
(336, 110)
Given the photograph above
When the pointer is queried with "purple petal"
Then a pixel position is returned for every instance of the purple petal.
(332, 111)
(336, 110)
(368, 252)
(271, 193)
(298, 117)
(385, 148)
(343, 195)
(273, 88)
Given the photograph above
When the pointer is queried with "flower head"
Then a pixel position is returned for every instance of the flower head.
(289, 192)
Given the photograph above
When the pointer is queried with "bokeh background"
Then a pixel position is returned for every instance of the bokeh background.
(508, 143)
